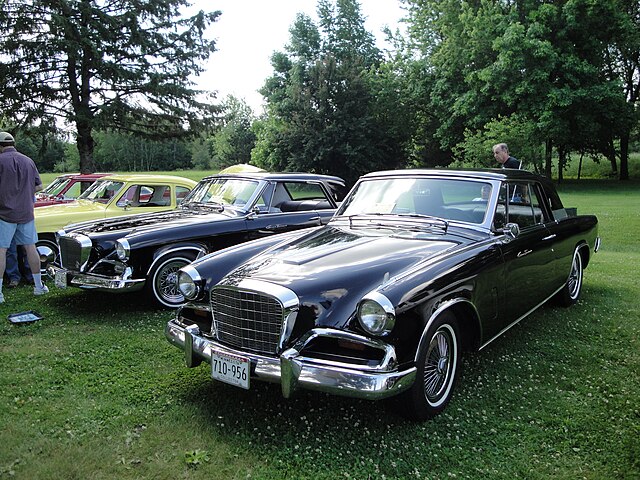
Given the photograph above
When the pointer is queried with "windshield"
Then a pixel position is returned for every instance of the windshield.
(222, 191)
(457, 200)
(102, 191)
(55, 187)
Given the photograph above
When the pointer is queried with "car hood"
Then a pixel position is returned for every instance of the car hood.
(152, 221)
(70, 208)
(332, 268)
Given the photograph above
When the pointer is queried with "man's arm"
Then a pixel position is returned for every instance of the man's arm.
(39, 187)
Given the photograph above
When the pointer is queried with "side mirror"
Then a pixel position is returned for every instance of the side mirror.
(127, 204)
(511, 230)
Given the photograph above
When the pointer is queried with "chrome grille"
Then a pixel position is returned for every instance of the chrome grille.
(74, 251)
(247, 319)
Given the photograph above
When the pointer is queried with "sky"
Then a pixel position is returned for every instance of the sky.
(249, 31)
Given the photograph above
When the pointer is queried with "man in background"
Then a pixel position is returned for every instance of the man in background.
(19, 181)
(501, 153)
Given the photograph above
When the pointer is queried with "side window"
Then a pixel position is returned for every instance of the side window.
(305, 191)
(300, 196)
(181, 192)
(73, 191)
(146, 196)
(524, 205)
(155, 196)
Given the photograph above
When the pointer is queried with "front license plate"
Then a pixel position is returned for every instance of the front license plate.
(230, 369)
(61, 278)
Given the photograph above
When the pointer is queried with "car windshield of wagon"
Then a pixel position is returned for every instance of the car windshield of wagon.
(449, 199)
(55, 187)
(222, 191)
(102, 191)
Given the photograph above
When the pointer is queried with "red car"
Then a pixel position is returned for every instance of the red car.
(65, 188)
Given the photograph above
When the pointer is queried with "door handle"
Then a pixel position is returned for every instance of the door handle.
(550, 237)
(524, 253)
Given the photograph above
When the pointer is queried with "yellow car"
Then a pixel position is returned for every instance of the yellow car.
(113, 196)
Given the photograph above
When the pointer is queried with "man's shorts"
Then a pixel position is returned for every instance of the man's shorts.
(25, 233)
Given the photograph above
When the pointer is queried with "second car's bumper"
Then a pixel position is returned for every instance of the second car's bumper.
(293, 370)
(96, 282)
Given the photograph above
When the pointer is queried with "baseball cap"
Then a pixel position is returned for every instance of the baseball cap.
(6, 138)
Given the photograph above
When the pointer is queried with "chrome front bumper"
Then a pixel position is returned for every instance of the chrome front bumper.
(293, 370)
(98, 282)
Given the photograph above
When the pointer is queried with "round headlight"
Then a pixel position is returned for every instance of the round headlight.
(123, 249)
(188, 282)
(376, 315)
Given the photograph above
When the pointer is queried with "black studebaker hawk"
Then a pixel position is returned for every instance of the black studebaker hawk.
(145, 251)
(415, 267)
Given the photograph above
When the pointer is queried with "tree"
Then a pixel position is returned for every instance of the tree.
(542, 61)
(233, 141)
(323, 112)
(124, 65)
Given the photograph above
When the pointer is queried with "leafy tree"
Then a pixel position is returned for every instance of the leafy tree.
(541, 61)
(124, 152)
(323, 111)
(233, 141)
(124, 65)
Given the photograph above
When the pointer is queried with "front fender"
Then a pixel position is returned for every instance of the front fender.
(198, 249)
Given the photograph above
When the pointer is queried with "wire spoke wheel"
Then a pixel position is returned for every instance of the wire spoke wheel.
(574, 283)
(164, 281)
(439, 364)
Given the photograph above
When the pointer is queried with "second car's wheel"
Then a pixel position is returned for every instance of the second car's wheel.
(571, 291)
(162, 283)
(437, 369)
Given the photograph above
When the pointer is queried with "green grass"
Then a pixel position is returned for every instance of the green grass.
(94, 391)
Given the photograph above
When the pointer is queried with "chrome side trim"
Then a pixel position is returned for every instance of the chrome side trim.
(519, 319)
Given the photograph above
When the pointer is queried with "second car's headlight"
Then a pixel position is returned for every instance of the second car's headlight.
(376, 314)
(189, 282)
(123, 250)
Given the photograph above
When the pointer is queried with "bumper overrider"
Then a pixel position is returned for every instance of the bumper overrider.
(94, 281)
(293, 370)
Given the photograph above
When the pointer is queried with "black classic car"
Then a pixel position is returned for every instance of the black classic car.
(415, 267)
(145, 251)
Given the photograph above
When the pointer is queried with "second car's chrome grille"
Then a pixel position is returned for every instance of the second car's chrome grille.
(74, 251)
(248, 319)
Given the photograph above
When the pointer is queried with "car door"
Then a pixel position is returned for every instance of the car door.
(528, 258)
(291, 205)
(141, 198)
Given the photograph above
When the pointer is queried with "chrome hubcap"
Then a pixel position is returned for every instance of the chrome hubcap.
(437, 370)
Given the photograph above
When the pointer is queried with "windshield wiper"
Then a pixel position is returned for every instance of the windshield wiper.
(416, 220)
(204, 205)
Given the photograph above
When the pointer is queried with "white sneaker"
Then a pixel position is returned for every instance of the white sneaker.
(40, 290)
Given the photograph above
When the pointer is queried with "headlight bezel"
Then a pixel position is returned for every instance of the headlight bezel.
(189, 282)
(376, 314)
(123, 249)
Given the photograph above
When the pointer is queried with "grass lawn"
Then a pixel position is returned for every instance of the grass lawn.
(94, 391)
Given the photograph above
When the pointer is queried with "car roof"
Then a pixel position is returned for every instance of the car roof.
(280, 176)
(145, 177)
(476, 174)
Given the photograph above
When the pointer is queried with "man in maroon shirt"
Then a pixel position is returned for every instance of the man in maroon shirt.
(19, 181)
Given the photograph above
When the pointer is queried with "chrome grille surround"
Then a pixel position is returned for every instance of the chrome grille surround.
(74, 251)
(254, 315)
